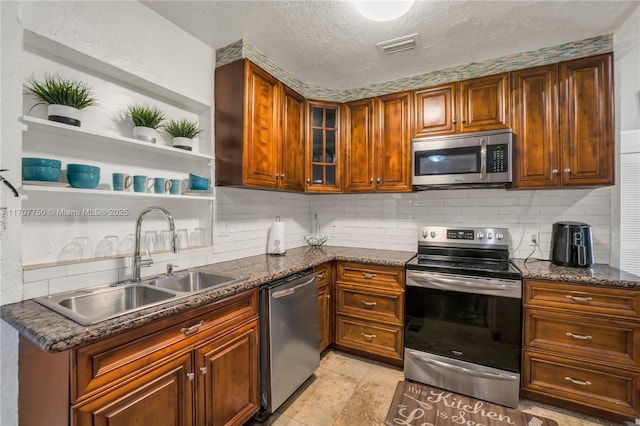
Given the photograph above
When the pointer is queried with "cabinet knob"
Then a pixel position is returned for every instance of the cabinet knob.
(554, 171)
(370, 180)
(282, 176)
(321, 275)
(454, 121)
(567, 170)
(203, 370)
(463, 121)
(190, 376)
(327, 296)
(308, 180)
(379, 180)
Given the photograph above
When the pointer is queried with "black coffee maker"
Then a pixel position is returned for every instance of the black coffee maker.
(571, 244)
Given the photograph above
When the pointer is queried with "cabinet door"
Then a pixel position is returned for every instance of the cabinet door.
(323, 148)
(324, 316)
(261, 125)
(160, 396)
(393, 149)
(435, 111)
(228, 377)
(292, 155)
(587, 120)
(535, 124)
(484, 103)
(359, 147)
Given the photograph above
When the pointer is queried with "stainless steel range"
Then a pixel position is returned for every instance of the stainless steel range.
(463, 313)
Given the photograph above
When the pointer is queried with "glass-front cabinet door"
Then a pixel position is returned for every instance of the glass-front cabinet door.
(323, 148)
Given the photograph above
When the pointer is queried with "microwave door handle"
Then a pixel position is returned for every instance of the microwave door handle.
(483, 159)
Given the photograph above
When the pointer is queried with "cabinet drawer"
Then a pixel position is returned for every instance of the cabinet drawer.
(371, 275)
(582, 298)
(379, 339)
(614, 390)
(117, 358)
(383, 305)
(583, 336)
(323, 273)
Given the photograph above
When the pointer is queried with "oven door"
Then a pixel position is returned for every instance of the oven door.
(473, 319)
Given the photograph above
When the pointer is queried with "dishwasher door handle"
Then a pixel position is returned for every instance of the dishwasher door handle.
(290, 291)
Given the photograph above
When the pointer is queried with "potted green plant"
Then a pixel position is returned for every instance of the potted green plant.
(183, 132)
(146, 120)
(65, 97)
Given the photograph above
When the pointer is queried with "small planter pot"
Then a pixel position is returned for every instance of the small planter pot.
(64, 114)
(183, 143)
(146, 134)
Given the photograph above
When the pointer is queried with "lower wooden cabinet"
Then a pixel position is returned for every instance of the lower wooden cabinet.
(370, 310)
(325, 306)
(581, 348)
(200, 367)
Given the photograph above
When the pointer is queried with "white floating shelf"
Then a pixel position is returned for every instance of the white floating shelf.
(110, 193)
(104, 138)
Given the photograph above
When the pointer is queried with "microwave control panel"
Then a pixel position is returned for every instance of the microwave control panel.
(497, 158)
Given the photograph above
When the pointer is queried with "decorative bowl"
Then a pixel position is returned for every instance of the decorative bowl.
(82, 168)
(198, 183)
(42, 173)
(42, 162)
(83, 180)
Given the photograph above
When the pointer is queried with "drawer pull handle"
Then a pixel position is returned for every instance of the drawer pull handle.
(578, 336)
(190, 376)
(321, 275)
(577, 382)
(192, 329)
(327, 295)
(579, 299)
(368, 337)
(368, 305)
(368, 276)
(203, 370)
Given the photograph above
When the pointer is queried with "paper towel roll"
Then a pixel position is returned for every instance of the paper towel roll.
(275, 243)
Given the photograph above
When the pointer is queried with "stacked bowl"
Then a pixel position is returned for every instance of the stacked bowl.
(40, 169)
(83, 176)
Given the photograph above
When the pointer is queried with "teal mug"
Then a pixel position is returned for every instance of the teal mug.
(174, 189)
(121, 181)
(142, 183)
(161, 185)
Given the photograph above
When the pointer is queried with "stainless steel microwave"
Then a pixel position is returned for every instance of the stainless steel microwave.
(472, 159)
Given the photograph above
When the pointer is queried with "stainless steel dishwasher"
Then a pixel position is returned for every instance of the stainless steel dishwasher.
(289, 346)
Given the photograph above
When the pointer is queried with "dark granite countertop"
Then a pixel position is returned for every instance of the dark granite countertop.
(598, 274)
(54, 332)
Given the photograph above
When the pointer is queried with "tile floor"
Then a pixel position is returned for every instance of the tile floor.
(351, 391)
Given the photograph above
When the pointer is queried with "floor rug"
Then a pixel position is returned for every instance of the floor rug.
(415, 404)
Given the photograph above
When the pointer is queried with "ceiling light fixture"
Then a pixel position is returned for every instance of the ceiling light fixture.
(398, 44)
(383, 10)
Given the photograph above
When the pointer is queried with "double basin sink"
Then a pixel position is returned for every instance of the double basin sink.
(91, 305)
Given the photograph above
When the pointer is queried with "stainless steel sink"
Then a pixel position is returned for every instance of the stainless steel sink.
(191, 282)
(100, 303)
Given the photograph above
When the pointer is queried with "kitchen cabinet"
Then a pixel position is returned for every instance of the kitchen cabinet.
(378, 145)
(259, 129)
(324, 167)
(198, 367)
(370, 311)
(325, 306)
(582, 348)
(563, 123)
(473, 105)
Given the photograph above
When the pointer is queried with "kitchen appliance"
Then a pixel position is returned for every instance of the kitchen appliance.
(275, 239)
(289, 337)
(571, 244)
(473, 159)
(463, 313)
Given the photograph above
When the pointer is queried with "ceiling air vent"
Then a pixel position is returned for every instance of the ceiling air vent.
(398, 44)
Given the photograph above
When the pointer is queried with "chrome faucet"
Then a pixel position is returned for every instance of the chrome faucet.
(137, 261)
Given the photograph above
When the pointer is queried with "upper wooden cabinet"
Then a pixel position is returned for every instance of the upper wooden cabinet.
(472, 105)
(324, 172)
(259, 129)
(563, 124)
(378, 144)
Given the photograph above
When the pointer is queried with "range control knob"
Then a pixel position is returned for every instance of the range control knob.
(499, 236)
(480, 235)
(433, 234)
(424, 233)
(489, 235)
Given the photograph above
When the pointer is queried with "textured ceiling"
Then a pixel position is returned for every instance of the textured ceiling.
(329, 44)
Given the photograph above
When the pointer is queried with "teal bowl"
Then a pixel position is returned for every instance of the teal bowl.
(83, 180)
(82, 168)
(198, 183)
(42, 162)
(41, 173)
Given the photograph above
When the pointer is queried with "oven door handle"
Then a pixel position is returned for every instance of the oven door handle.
(443, 282)
(483, 374)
